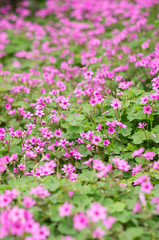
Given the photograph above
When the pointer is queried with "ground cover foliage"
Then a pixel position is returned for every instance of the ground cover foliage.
(79, 120)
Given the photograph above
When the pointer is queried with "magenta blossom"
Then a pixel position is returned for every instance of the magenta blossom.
(147, 109)
(96, 212)
(149, 155)
(137, 207)
(80, 221)
(138, 153)
(115, 104)
(146, 187)
(142, 125)
(65, 209)
(98, 233)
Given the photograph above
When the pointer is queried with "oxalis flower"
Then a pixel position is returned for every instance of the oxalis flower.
(65, 209)
(115, 103)
(147, 109)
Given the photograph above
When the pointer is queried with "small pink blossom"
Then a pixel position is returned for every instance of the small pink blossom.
(8, 106)
(111, 130)
(106, 142)
(138, 153)
(96, 212)
(68, 238)
(80, 221)
(149, 155)
(136, 169)
(108, 222)
(98, 233)
(144, 100)
(65, 209)
(142, 125)
(137, 207)
(28, 202)
(96, 140)
(115, 104)
(146, 187)
(58, 133)
(147, 109)
(99, 127)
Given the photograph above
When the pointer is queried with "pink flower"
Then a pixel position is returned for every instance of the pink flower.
(4, 200)
(136, 169)
(88, 162)
(96, 140)
(122, 184)
(142, 125)
(16, 64)
(70, 194)
(67, 238)
(88, 74)
(141, 179)
(99, 127)
(98, 233)
(154, 135)
(106, 142)
(115, 104)
(12, 112)
(144, 99)
(89, 147)
(104, 171)
(147, 109)
(80, 221)
(142, 198)
(111, 130)
(156, 165)
(58, 133)
(65, 209)
(98, 164)
(40, 191)
(39, 113)
(8, 106)
(149, 155)
(28, 202)
(138, 153)
(31, 154)
(109, 222)
(21, 166)
(96, 212)
(137, 207)
(121, 164)
(145, 44)
(146, 187)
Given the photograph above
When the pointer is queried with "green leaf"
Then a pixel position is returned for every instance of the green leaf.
(126, 131)
(117, 207)
(156, 22)
(51, 183)
(87, 176)
(53, 213)
(106, 202)
(83, 150)
(5, 88)
(140, 137)
(139, 160)
(66, 227)
(124, 217)
(73, 129)
(155, 131)
(86, 108)
(135, 232)
(21, 104)
(74, 120)
(81, 199)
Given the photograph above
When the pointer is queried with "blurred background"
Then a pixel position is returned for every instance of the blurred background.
(13, 4)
